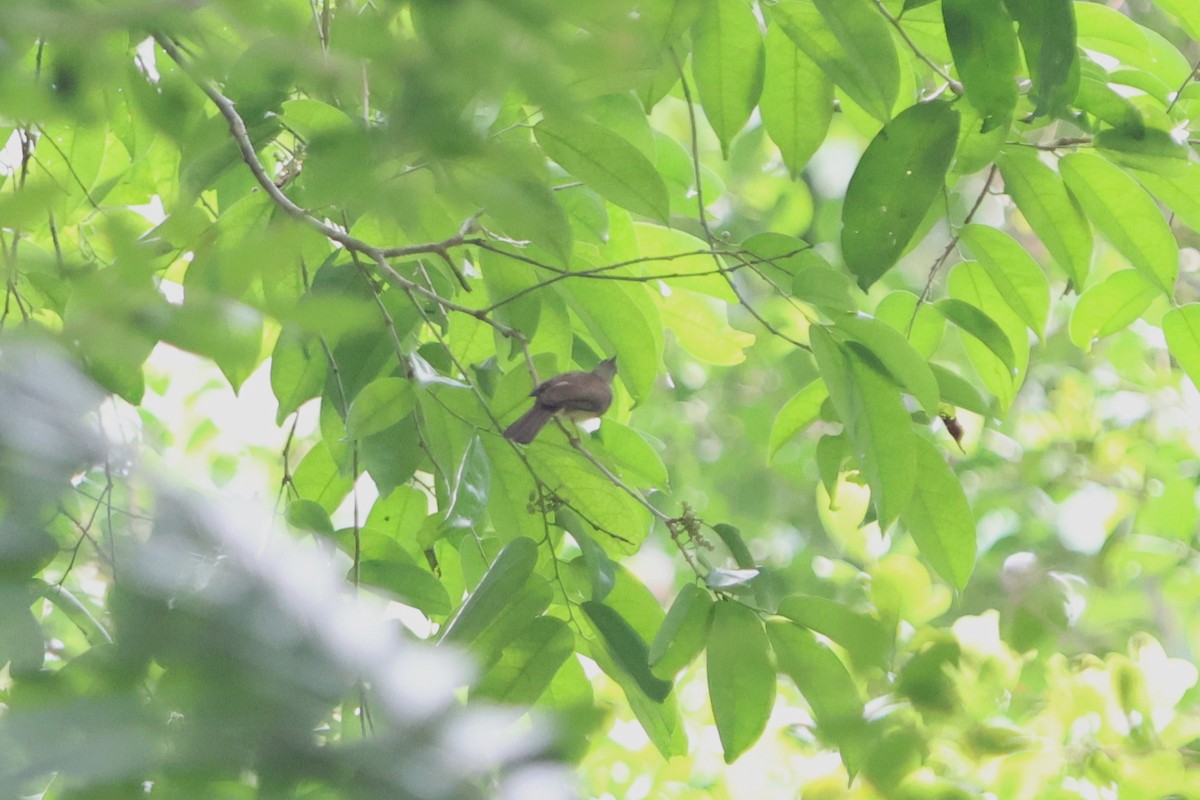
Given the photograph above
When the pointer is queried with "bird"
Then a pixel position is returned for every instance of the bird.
(576, 395)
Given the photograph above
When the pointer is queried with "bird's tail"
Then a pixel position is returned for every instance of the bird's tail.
(523, 430)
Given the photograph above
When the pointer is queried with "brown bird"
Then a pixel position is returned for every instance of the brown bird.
(576, 395)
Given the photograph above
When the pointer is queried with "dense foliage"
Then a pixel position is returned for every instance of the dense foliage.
(897, 497)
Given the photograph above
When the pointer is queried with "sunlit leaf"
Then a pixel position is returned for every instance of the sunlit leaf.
(1126, 215)
(1110, 306)
(985, 52)
(606, 163)
(939, 518)
(1181, 326)
(797, 100)
(727, 62)
(741, 679)
(851, 43)
(1054, 216)
(893, 186)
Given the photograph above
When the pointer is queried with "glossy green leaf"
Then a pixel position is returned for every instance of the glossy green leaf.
(796, 102)
(823, 286)
(985, 51)
(727, 63)
(976, 323)
(1110, 306)
(895, 183)
(511, 569)
(1015, 273)
(1054, 216)
(865, 638)
(607, 163)
(741, 679)
(823, 680)
(627, 648)
(1181, 326)
(908, 368)
(851, 43)
(881, 435)
(528, 663)
(939, 518)
(381, 404)
(683, 633)
(1126, 215)
(1047, 32)
(800, 411)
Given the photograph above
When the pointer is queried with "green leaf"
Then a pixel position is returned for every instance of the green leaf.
(973, 321)
(984, 45)
(727, 62)
(298, 370)
(1186, 13)
(627, 648)
(741, 679)
(607, 163)
(381, 404)
(881, 434)
(507, 574)
(392, 455)
(893, 186)
(920, 324)
(823, 680)
(1015, 273)
(732, 538)
(939, 518)
(307, 515)
(469, 488)
(1152, 151)
(796, 102)
(850, 41)
(601, 570)
(318, 479)
(800, 411)
(410, 584)
(1046, 29)
(865, 638)
(908, 368)
(969, 282)
(1179, 192)
(955, 390)
(1110, 306)
(1054, 216)
(1108, 31)
(528, 664)
(822, 285)
(1103, 102)
(683, 633)
(1181, 326)
(1126, 215)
